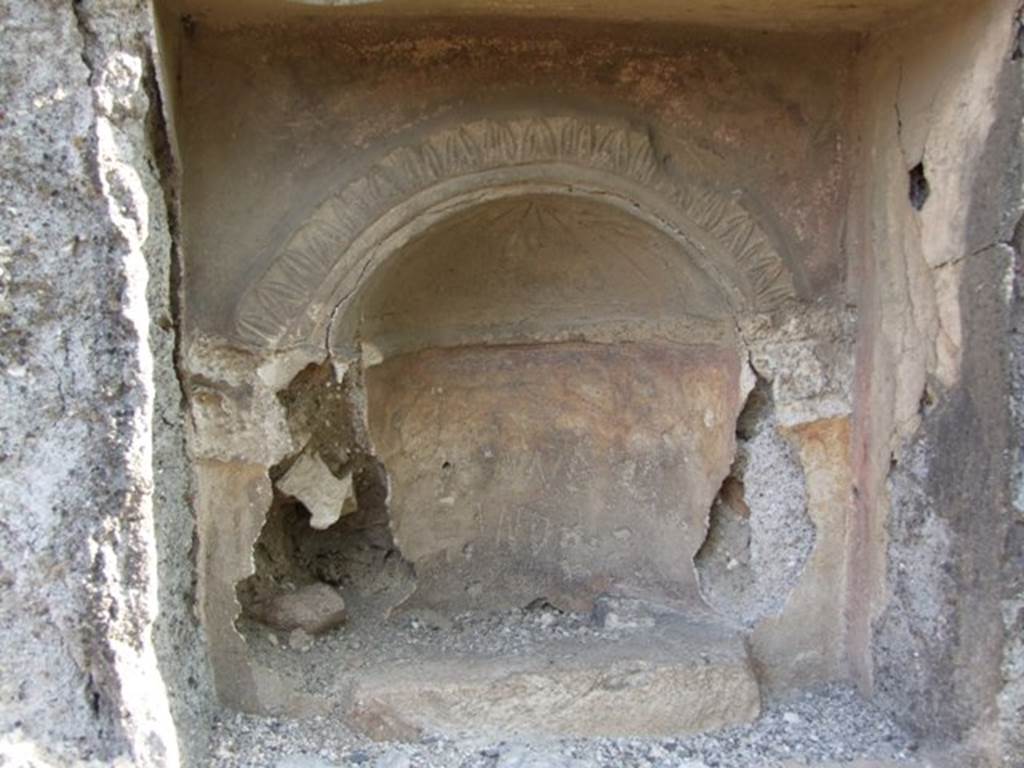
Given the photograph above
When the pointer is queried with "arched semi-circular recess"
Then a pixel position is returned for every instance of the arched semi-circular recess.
(324, 262)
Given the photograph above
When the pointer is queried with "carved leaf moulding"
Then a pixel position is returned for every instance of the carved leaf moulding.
(280, 300)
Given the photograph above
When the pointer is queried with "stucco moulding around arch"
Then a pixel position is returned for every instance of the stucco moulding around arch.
(324, 261)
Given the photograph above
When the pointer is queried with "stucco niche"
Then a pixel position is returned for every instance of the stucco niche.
(514, 353)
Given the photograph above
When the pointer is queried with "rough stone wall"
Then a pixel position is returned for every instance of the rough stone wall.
(1011, 699)
(86, 346)
(935, 595)
(180, 643)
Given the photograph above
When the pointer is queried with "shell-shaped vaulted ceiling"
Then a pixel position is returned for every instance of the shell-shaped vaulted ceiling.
(537, 267)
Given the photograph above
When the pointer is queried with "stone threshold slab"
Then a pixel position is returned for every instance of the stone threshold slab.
(678, 677)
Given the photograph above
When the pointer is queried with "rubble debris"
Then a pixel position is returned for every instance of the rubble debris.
(314, 608)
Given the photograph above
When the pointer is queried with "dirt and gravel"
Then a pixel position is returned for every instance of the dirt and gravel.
(828, 724)
(362, 644)
(825, 725)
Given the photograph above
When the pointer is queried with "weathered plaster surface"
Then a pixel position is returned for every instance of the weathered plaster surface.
(369, 100)
(538, 268)
(558, 471)
(797, 499)
(806, 641)
(932, 449)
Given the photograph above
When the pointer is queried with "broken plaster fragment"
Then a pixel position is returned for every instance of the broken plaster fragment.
(325, 496)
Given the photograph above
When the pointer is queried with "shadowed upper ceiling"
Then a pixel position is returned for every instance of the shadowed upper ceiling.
(768, 14)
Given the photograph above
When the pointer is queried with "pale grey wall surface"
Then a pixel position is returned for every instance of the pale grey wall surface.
(86, 344)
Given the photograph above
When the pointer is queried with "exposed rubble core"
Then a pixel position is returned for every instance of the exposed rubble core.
(326, 549)
(759, 535)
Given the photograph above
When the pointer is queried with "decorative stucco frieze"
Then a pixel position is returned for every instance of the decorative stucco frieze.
(325, 260)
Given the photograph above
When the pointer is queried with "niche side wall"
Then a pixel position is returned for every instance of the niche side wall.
(935, 588)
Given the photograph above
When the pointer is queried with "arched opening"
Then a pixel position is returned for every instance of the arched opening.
(551, 390)
(322, 264)
(552, 385)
